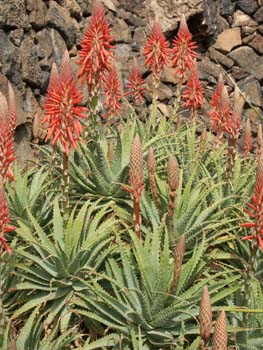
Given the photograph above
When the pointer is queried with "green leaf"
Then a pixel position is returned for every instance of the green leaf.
(107, 341)
(26, 331)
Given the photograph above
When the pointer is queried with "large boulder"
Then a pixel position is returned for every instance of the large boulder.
(58, 17)
(168, 13)
(10, 60)
(13, 14)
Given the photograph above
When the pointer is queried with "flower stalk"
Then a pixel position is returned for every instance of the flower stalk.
(63, 115)
(135, 85)
(221, 113)
(152, 180)
(178, 261)
(220, 333)
(255, 209)
(113, 94)
(173, 182)
(205, 317)
(247, 141)
(65, 187)
(7, 153)
(4, 221)
(157, 54)
(183, 56)
(96, 52)
(233, 132)
(136, 182)
(193, 95)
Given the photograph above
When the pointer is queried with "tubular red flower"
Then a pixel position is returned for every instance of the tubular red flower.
(96, 49)
(135, 83)
(257, 207)
(7, 153)
(113, 94)
(62, 110)
(193, 95)
(4, 220)
(156, 51)
(183, 51)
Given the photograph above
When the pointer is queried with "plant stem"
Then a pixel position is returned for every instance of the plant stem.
(152, 120)
(137, 219)
(248, 277)
(36, 150)
(2, 318)
(231, 157)
(177, 101)
(65, 188)
(53, 161)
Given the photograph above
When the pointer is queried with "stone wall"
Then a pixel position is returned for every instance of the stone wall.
(34, 33)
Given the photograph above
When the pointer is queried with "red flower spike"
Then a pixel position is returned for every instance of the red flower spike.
(193, 95)
(236, 115)
(7, 154)
(221, 114)
(156, 52)
(135, 83)
(96, 49)
(4, 220)
(62, 109)
(183, 51)
(11, 108)
(247, 143)
(3, 106)
(66, 74)
(257, 215)
(113, 94)
(54, 78)
(218, 91)
(225, 111)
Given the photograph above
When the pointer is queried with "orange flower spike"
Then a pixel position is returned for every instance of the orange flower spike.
(156, 52)
(183, 51)
(62, 108)
(4, 220)
(135, 84)
(96, 49)
(113, 94)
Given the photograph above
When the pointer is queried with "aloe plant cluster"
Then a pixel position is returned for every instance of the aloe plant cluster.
(130, 233)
